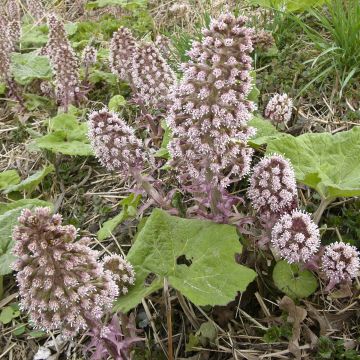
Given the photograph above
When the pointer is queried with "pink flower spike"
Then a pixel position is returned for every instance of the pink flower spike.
(296, 237)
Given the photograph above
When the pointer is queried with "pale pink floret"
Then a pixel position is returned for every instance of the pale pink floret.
(89, 55)
(61, 283)
(340, 263)
(114, 142)
(122, 271)
(296, 237)
(273, 186)
(279, 108)
(210, 110)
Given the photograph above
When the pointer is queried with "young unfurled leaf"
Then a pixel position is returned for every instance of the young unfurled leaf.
(292, 281)
(327, 163)
(197, 257)
(32, 181)
(116, 103)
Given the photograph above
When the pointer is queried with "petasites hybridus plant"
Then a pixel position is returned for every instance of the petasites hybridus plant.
(114, 143)
(273, 187)
(36, 9)
(340, 263)
(61, 283)
(122, 270)
(64, 63)
(151, 75)
(296, 237)
(279, 108)
(13, 23)
(122, 51)
(89, 55)
(209, 113)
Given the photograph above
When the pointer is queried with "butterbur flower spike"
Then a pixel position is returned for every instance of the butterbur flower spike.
(122, 270)
(151, 75)
(64, 63)
(279, 108)
(340, 263)
(89, 55)
(273, 186)
(209, 107)
(61, 283)
(122, 51)
(36, 8)
(296, 237)
(114, 142)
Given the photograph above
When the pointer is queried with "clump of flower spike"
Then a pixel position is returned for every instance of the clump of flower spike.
(123, 272)
(61, 283)
(114, 142)
(273, 186)
(36, 8)
(279, 108)
(89, 55)
(151, 75)
(340, 263)
(296, 237)
(5, 50)
(210, 110)
(13, 23)
(64, 63)
(122, 51)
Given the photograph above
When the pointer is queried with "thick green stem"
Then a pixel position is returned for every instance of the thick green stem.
(325, 202)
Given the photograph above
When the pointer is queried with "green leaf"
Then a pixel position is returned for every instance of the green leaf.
(288, 5)
(97, 76)
(32, 181)
(196, 257)
(67, 136)
(163, 152)
(130, 205)
(8, 313)
(8, 219)
(265, 131)
(29, 66)
(23, 203)
(2, 88)
(292, 281)
(33, 102)
(324, 162)
(255, 92)
(33, 36)
(9, 177)
(117, 102)
(102, 3)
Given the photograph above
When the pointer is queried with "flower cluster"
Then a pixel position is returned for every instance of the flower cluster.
(122, 51)
(12, 24)
(273, 186)
(340, 262)
(164, 45)
(263, 40)
(151, 75)
(122, 270)
(114, 142)
(64, 63)
(296, 237)
(279, 108)
(210, 110)
(89, 55)
(36, 8)
(61, 283)
(5, 50)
